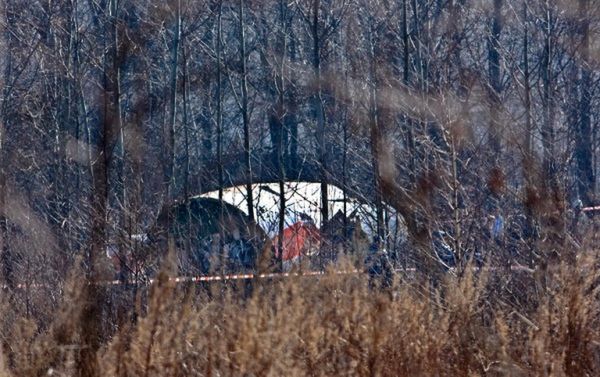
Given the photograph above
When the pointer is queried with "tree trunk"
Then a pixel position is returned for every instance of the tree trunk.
(219, 115)
(528, 157)
(245, 118)
(583, 151)
(186, 167)
(117, 165)
(169, 134)
(495, 85)
(6, 257)
(410, 136)
(317, 104)
(292, 118)
(527, 84)
(280, 111)
(376, 137)
(91, 318)
(547, 131)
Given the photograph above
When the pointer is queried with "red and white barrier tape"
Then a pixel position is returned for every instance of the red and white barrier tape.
(213, 278)
(209, 278)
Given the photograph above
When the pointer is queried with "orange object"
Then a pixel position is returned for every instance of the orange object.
(298, 239)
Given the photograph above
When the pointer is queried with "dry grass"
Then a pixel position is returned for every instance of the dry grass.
(514, 325)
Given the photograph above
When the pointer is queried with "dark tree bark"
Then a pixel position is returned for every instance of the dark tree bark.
(186, 136)
(169, 172)
(6, 258)
(547, 76)
(495, 85)
(375, 130)
(527, 86)
(103, 154)
(221, 177)
(317, 105)
(117, 165)
(245, 115)
(584, 139)
(280, 113)
(292, 107)
(529, 173)
(406, 71)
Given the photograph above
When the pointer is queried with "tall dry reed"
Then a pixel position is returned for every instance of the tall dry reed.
(483, 324)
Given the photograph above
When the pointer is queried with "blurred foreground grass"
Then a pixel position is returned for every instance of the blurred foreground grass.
(505, 324)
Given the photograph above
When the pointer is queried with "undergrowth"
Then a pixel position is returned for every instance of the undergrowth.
(544, 323)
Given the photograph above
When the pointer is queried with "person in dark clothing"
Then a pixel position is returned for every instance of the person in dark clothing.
(378, 266)
(580, 223)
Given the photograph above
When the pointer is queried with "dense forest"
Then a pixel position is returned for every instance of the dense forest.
(468, 126)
